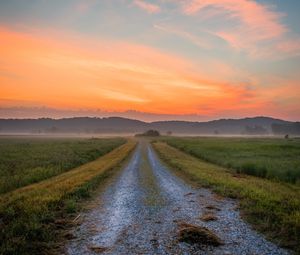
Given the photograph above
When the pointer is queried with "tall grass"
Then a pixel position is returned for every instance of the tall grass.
(272, 207)
(28, 215)
(277, 159)
(25, 161)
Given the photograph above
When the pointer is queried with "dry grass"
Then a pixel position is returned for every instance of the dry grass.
(28, 160)
(273, 208)
(193, 234)
(28, 214)
(270, 158)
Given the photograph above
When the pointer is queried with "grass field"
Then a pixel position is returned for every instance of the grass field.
(31, 217)
(277, 159)
(25, 161)
(272, 207)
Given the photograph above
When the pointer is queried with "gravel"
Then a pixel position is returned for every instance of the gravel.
(141, 211)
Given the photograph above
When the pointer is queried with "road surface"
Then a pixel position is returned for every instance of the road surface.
(140, 213)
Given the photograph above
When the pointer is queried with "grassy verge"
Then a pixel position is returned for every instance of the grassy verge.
(24, 160)
(271, 158)
(28, 215)
(273, 208)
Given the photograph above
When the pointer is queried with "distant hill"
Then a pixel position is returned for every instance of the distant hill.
(222, 126)
(117, 125)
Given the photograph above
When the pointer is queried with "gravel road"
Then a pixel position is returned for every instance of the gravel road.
(141, 210)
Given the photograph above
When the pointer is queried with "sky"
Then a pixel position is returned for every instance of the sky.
(151, 60)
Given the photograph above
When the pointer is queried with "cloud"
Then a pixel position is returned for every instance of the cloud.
(259, 19)
(200, 42)
(246, 25)
(115, 95)
(71, 72)
(291, 46)
(150, 8)
(46, 112)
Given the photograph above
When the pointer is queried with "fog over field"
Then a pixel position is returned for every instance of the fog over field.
(263, 126)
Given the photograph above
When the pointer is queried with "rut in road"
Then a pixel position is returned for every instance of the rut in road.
(140, 211)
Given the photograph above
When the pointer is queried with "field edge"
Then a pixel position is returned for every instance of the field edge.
(33, 219)
(258, 205)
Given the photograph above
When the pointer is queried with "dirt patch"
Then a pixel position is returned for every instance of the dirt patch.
(197, 235)
(208, 217)
(212, 207)
(98, 249)
(189, 194)
(69, 236)
(218, 197)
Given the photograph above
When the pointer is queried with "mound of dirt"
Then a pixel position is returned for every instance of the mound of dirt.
(212, 207)
(197, 235)
(98, 249)
(208, 217)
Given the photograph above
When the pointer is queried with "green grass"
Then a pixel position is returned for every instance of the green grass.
(31, 217)
(277, 159)
(25, 161)
(272, 207)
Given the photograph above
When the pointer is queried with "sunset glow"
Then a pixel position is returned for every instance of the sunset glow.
(214, 58)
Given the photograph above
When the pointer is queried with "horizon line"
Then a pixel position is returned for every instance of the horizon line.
(127, 118)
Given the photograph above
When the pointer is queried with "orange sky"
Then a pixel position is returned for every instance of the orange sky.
(198, 58)
(110, 75)
(42, 66)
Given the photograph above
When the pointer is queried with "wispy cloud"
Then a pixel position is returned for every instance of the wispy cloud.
(148, 7)
(200, 42)
(245, 25)
(122, 96)
(115, 79)
(291, 46)
(207, 57)
(42, 112)
(258, 19)
(110, 75)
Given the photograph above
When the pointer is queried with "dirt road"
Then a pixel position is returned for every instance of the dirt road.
(142, 210)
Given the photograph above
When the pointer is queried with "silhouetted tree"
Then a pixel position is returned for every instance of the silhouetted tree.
(150, 132)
